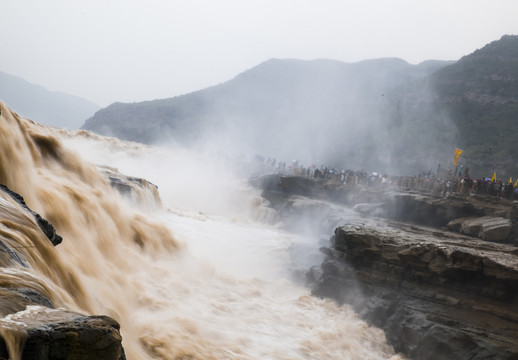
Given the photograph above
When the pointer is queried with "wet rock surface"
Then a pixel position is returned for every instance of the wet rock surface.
(69, 336)
(487, 227)
(44, 225)
(400, 204)
(30, 326)
(403, 263)
(437, 295)
(136, 189)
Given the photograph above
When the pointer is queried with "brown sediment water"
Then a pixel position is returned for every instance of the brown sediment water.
(183, 283)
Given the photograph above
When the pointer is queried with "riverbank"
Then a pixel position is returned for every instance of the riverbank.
(419, 266)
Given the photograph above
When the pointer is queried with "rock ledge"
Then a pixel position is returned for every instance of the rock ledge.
(436, 295)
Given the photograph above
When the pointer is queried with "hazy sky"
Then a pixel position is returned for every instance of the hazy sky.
(131, 50)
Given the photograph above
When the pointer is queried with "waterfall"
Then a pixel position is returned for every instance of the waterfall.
(186, 266)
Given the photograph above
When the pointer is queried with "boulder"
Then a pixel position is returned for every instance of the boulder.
(486, 227)
(59, 334)
(489, 228)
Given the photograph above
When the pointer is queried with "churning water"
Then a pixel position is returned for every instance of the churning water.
(206, 275)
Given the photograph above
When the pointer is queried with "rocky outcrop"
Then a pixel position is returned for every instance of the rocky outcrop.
(403, 263)
(138, 190)
(277, 185)
(44, 225)
(437, 295)
(30, 325)
(418, 207)
(486, 227)
(60, 334)
(487, 217)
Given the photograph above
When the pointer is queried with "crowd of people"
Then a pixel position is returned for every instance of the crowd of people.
(439, 183)
(441, 186)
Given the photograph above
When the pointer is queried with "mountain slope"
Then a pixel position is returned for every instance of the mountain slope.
(314, 111)
(480, 92)
(44, 106)
(382, 114)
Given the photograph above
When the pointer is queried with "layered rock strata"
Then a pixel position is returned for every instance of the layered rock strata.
(138, 190)
(437, 295)
(498, 217)
(438, 274)
(44, 225)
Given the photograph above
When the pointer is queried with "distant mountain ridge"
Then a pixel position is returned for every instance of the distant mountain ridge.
(381, 114)
(281, 108)
(44, 106)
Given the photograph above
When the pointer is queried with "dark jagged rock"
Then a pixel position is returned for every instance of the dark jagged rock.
(30, 326)
(34, 297)
(15, 256)
(71, 336)
(436, 295)
(86, 338)
(44, 225)
(140, 190)
(17, 298)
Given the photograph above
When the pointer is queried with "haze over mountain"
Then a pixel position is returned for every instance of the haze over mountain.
(312, 111)
(47, 107)
(480, 92)
(381, 115)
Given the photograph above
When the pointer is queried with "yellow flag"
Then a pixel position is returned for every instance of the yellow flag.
(515, 183)
(493, 178)
(510, 180)
(456, 155)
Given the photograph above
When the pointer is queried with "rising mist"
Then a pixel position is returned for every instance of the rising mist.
(203, 282)
(378, 115)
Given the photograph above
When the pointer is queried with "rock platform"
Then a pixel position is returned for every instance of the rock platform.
(438, 274)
